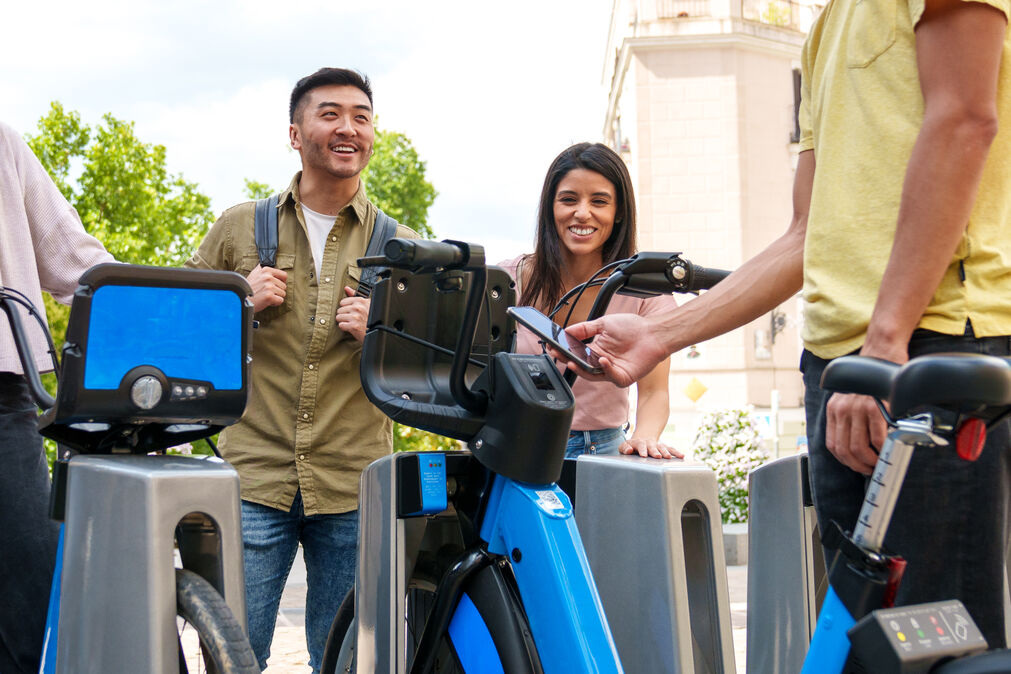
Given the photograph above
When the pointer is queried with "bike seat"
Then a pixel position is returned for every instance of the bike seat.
(860, 374)
(991, 662)
(960, 382)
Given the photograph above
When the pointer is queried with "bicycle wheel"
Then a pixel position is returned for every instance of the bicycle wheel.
(420, 601)
(210, 638)
(339, 632)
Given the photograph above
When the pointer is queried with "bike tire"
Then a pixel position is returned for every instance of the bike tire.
(338, 654)
(224, 647)
(339, 629)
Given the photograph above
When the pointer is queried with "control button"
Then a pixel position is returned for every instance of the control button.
(901, 636)
(551, 396)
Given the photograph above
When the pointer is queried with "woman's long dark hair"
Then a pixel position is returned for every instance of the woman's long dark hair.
(543, 287)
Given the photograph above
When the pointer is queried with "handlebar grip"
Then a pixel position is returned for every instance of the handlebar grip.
(422, 254)
(704, 278)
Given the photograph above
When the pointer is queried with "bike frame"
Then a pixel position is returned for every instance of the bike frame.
(129, 323)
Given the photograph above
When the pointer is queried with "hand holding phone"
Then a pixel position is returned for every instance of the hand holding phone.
(555, 335)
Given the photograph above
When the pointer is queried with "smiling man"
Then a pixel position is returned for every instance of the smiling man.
(308, 430)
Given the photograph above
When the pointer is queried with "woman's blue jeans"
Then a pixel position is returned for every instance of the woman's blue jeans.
(270, 539)
(603, 441)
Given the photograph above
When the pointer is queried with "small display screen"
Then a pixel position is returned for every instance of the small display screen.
(188, 333)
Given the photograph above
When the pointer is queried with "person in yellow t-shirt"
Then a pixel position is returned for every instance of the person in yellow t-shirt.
(901, 240)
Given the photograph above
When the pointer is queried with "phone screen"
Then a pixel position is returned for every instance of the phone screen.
(555, 335)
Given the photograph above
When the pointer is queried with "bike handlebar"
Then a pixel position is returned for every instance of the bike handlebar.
(420, 255)
(38, 391)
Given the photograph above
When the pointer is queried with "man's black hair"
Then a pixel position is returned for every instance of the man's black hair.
(326, 77)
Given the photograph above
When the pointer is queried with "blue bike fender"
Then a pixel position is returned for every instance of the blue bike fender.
(472, 640)
(830, 645)
(51, 639)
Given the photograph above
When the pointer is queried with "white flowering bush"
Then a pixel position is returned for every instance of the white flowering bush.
(728, 441)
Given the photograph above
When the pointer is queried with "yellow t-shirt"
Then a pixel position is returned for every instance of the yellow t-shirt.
(861, 111)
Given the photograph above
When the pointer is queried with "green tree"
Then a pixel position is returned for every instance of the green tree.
(395, 182)
(255, 190)
(123, 193)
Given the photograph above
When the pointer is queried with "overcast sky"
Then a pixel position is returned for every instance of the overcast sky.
(488, 92)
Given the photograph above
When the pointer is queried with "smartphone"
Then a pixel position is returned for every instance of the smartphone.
(555, 335)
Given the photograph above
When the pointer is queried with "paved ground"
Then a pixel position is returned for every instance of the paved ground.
(289, 655)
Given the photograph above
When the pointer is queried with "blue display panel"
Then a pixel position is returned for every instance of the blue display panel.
(187, 333)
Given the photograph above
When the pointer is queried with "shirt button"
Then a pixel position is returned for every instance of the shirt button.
(326, 280)
(301, 457)
(305, 415)
(322, 321)
(312, 319)
(311, 366)
(333, 238)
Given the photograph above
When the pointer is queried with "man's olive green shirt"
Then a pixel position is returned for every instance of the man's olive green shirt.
(308, 424)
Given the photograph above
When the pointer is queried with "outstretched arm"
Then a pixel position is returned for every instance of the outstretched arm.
(630, 346)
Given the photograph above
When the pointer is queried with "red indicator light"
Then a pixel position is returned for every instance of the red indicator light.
(970, 439)
(940, 631)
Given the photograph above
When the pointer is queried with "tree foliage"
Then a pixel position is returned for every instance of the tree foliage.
(256, 190)
(122, 191)
(395, 182)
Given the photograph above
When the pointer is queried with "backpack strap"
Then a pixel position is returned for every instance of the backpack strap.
(384, 230)
(265, 230)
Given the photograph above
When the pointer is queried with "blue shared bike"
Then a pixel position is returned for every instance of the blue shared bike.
(148, 573)
(471, 561)
(933, 401)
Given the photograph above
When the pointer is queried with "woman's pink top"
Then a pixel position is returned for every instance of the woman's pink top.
(599, 404)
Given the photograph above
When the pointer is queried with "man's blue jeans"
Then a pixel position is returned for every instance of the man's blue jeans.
(951, 520)
(270, 540)
(603, 441)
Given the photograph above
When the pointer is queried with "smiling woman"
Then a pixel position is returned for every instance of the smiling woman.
(587, 220)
